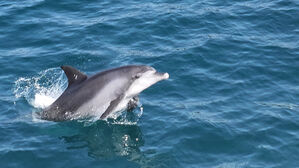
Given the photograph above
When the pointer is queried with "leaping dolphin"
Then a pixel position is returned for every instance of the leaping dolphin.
(100, 95)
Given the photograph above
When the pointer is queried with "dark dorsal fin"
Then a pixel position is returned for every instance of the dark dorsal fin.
(73, 75)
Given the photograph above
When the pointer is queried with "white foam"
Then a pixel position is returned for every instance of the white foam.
(42, 101)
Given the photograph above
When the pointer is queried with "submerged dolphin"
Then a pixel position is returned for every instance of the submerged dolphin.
(102, 94)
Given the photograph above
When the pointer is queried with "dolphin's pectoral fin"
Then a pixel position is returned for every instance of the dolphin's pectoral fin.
(73, 75)
(133, 103)
(112, 105)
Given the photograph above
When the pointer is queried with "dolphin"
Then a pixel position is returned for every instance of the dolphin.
(102, 94)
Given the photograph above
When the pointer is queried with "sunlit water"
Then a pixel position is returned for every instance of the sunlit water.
(231, 100)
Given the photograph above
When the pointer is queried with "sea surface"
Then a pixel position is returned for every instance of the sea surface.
(232, 100)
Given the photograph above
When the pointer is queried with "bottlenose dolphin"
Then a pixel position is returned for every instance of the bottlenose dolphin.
(103, 94)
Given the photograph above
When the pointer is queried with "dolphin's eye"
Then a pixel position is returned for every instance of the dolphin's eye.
(137, 76)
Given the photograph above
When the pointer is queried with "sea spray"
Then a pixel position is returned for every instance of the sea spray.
(43, 89)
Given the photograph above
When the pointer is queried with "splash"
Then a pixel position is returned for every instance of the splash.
(42, 90)
(127, 118)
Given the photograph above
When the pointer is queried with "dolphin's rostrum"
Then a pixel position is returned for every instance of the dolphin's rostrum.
(102, 94)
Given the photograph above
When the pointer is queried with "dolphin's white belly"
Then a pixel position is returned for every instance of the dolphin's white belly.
(122, 105)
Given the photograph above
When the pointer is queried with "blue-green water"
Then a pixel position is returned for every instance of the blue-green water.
(231, 100)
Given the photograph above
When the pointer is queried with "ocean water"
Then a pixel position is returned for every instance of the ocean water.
(232, 100)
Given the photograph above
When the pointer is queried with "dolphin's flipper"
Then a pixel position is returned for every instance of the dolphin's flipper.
(133, 103)
(73, 75)
(112, 105)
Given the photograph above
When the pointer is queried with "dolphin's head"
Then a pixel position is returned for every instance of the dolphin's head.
(144, 77)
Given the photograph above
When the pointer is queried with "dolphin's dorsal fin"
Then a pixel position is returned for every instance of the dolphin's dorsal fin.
(73, 75)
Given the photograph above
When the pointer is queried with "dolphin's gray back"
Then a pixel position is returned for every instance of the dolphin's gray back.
(105, 86)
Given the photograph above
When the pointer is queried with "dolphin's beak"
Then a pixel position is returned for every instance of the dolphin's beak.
(162, 75)
(166, 75)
